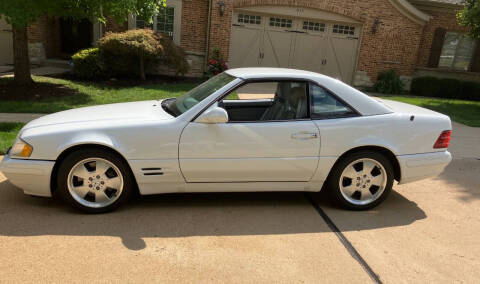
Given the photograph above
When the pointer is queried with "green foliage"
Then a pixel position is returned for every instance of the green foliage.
(8, 133)
(88, 93)
(89, 64)
(22, 13)
(446, 88)
(216, 64)
(388, 82)
(142, 48)
(469, 16)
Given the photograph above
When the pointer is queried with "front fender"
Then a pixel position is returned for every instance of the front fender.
(92, 138)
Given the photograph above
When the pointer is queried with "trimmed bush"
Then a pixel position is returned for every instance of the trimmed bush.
(425, 86)
(445, 88)
(388, 82)
(89, 64)
(132, 52)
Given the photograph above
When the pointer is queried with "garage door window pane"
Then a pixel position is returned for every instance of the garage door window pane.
(249, 19)
(342, 29)
(280, 22)
(314, 26)
(325, 105)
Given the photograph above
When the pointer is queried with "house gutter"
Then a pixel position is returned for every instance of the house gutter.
(209, 22)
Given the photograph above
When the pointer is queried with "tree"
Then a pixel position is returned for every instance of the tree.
(22, 13)
(469, 16)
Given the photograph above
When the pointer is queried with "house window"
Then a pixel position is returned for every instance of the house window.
(162, 22)
(341, 29)
(313, 26)
(249, 19)
(165, 20)
(281, 23)
(457, 51)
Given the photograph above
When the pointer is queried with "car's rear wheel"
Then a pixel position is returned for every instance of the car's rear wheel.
(361, 180)
(94, 181)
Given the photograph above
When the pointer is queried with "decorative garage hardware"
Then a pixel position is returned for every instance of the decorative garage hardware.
(249, 19)
(221, 7)
(314, 26)
(341, 29)
(280, 22)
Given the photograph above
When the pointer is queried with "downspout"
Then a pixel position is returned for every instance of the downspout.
(209, 22)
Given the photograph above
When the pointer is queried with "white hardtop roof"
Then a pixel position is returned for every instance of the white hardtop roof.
(262, 72)
(358, 100)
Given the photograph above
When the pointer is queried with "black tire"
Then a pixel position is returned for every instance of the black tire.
(333, 181)
(72, 159)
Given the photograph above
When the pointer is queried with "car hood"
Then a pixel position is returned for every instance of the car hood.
(144, 110)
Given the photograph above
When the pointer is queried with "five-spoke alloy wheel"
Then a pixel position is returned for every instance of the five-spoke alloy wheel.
(361, 180)
(94, 180)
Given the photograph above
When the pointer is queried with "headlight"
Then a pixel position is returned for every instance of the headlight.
(20, 149)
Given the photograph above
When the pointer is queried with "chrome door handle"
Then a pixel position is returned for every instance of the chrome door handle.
(304, 135)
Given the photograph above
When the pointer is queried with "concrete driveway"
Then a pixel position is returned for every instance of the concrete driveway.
(425, 232)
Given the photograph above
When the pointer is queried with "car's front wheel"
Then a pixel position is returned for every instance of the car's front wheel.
(94, 180)
(361, 180)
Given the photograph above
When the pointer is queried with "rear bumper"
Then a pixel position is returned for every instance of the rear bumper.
(32, 176)
(420, 166)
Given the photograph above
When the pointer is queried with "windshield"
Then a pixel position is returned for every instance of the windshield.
(201, 92)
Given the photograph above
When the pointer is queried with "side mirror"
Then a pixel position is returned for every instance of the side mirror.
(213, 115)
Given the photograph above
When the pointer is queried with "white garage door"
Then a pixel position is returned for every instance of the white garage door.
(6, 43)
(293, 42)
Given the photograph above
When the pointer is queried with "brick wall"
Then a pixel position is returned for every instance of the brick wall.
(47, 32)
(394, 45)
(441, 18)
(194, 25)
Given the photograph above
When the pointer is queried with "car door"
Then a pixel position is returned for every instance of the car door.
(261, 150)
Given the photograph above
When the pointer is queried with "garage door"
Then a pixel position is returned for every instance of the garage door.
(6, 43)
(287, 41)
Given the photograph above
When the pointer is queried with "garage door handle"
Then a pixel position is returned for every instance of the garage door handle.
(304, 135)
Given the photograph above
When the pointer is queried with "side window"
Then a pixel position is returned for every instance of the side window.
(267, 101)
(325, 105)
(254, 91)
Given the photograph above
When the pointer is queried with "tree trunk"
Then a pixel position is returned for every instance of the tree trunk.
(20, 56)
(142, 68)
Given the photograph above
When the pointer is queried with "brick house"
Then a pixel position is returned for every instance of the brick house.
(349, 40)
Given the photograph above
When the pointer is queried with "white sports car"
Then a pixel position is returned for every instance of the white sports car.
(249, 129)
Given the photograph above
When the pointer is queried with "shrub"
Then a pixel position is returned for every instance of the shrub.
(88, 64)
(470, 90)
(425, 86)
(388, 82)
(216, 64)
(445, 88)
(132, 52)
(449, 88)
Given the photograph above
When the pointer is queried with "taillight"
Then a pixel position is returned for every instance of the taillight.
(443, 140)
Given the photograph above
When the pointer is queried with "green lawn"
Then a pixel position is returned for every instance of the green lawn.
(8, 132)
(465, 112)
(87, 94)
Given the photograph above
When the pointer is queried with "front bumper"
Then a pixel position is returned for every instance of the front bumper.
(32, 176)
(420, 166)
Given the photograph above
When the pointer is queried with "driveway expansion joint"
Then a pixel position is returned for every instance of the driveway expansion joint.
(345, 242)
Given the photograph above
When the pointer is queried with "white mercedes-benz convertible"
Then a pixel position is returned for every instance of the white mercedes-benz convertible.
(250, 129)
